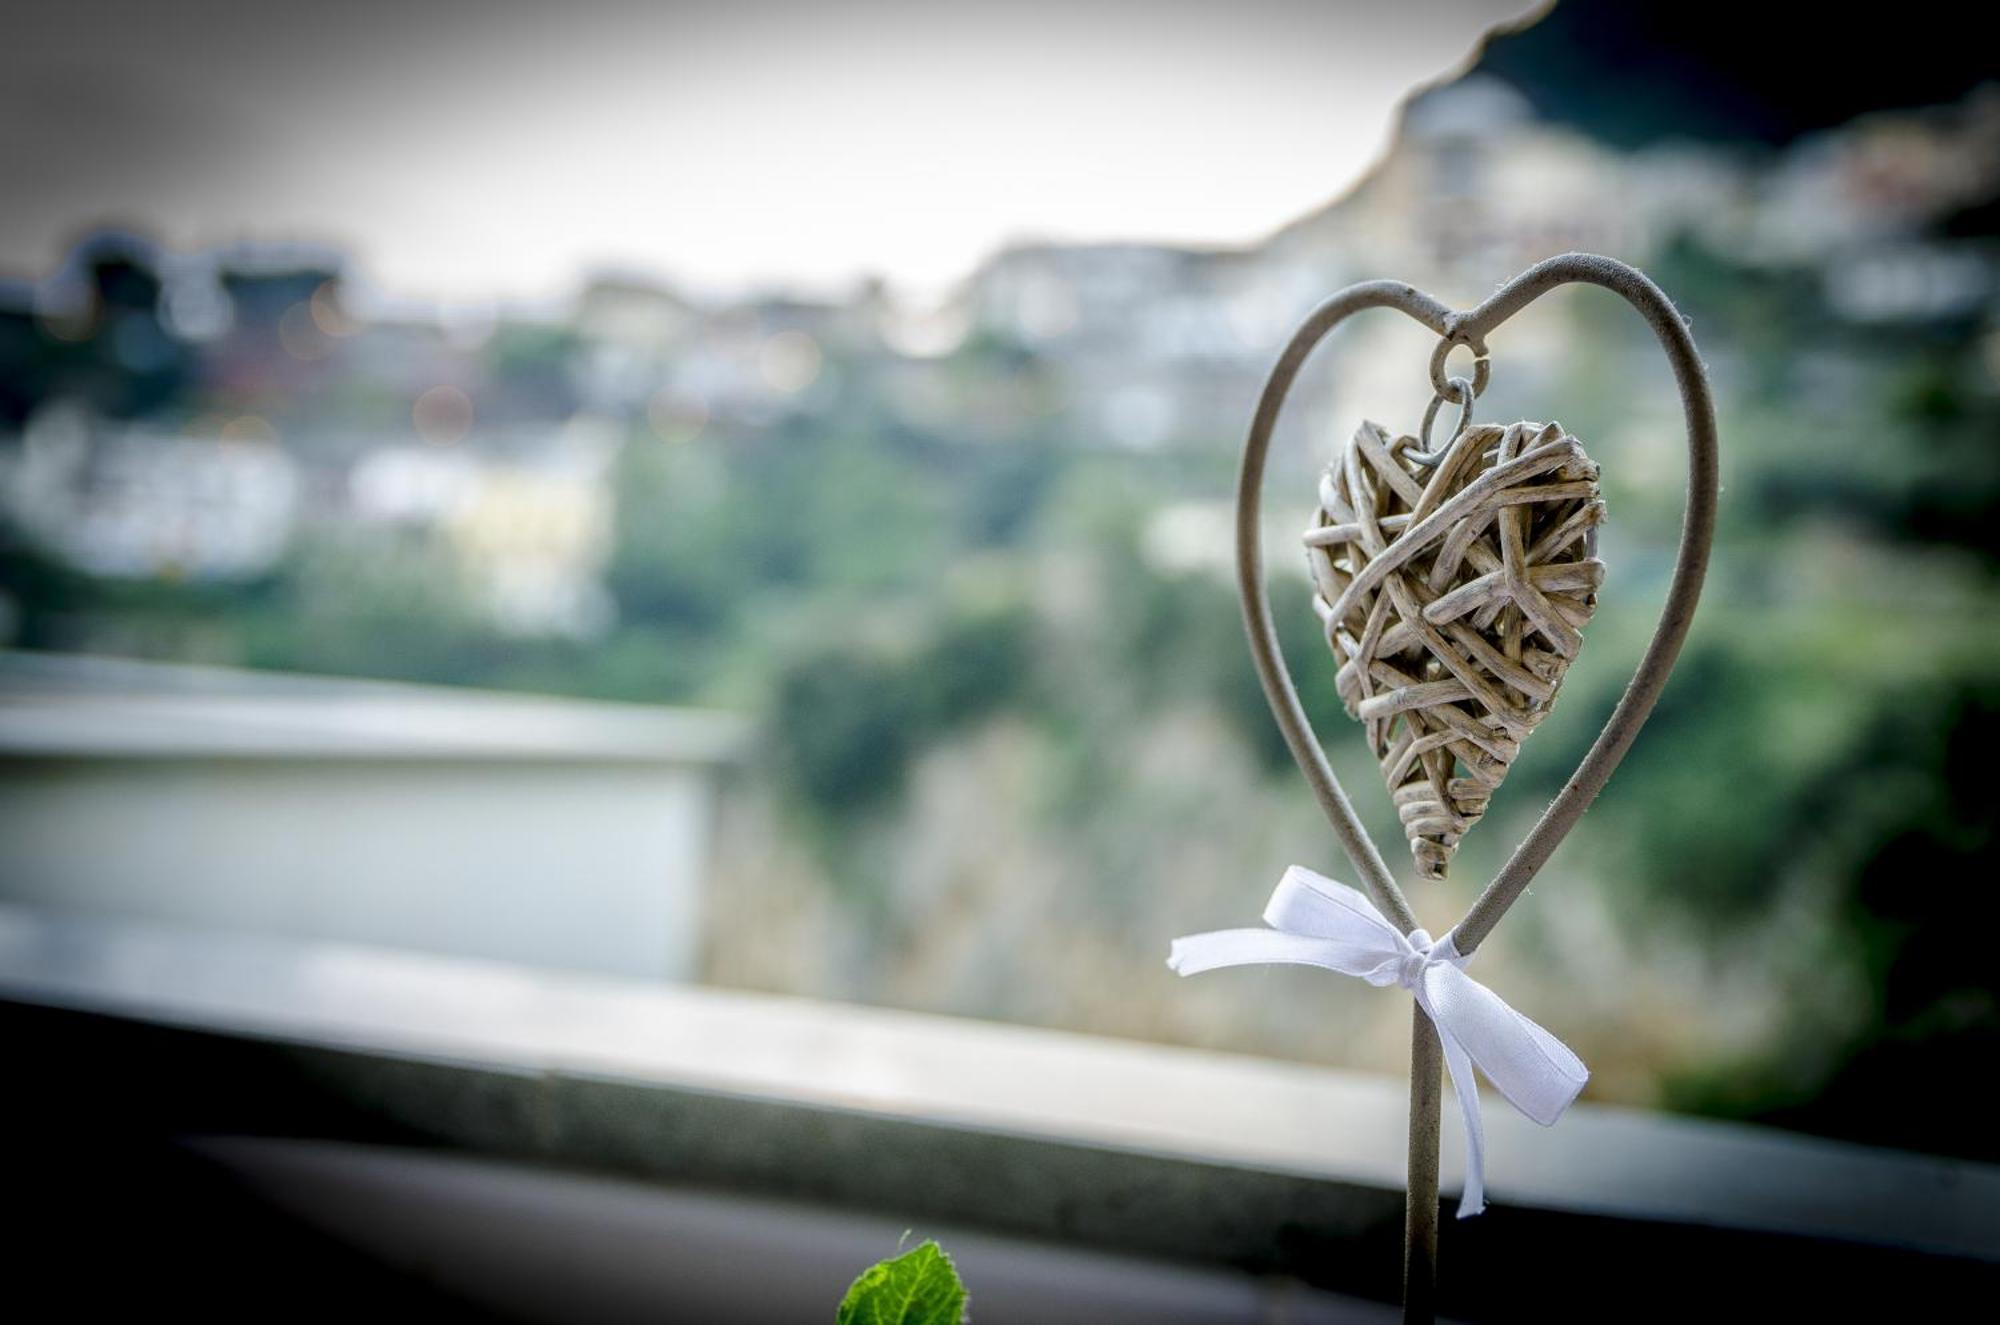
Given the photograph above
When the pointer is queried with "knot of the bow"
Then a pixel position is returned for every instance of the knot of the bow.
(1422, 953)
(1419, 953)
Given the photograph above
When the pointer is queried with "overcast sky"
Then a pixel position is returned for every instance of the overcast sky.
(462, 149)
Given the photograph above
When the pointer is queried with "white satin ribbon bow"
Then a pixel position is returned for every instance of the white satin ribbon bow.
(1317, 922)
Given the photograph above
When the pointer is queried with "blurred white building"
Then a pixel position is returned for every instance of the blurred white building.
(134, 503)
(525, 521)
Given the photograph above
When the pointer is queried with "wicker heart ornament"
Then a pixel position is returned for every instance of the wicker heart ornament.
(1453, 589)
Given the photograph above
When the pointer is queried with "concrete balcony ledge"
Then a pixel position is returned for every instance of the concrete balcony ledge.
(75, 707)
(505, 827)
(1198, 1158)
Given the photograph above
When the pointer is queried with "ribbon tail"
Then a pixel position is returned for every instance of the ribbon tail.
(1555, 1088)
(1534, 1070)
(1465, 1084)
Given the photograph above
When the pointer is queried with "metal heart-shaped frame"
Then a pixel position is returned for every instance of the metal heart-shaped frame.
(1470, 329)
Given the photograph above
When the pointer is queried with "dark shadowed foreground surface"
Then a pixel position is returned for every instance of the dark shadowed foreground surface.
(222, 1121)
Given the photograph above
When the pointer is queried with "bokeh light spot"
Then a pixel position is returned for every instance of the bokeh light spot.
(790, 361)
(328, 314)
(676, 416)
(249, 428)
(299, 333)
(443, 415)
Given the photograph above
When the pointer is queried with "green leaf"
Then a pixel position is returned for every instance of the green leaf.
(920, 1287)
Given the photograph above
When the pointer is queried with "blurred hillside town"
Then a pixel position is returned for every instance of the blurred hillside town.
(199, 417)
(964, 564)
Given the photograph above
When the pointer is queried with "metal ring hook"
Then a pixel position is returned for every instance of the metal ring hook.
(1482, 367)
(1466, 394)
